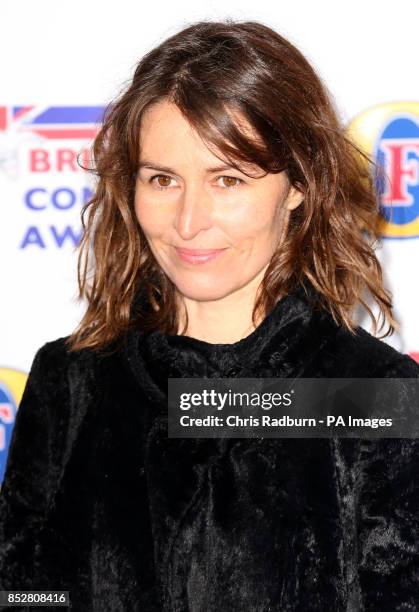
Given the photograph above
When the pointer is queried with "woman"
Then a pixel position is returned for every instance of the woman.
(232, 233)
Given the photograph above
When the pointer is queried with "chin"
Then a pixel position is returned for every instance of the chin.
(203, 289)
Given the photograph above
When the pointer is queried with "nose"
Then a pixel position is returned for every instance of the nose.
(194, 212)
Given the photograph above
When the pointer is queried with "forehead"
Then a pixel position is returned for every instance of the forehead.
(166, 134)
(157, 115)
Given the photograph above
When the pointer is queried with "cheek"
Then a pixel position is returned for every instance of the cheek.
(268, 215)
(149, 216)
(252, 220)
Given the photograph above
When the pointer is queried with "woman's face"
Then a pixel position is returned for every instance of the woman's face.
(183, 202)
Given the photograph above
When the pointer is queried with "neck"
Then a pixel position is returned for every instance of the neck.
(223, 321)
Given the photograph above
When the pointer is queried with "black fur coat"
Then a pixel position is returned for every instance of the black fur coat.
(97, 500)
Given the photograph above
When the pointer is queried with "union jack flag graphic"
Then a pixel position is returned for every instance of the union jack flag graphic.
(81, 122)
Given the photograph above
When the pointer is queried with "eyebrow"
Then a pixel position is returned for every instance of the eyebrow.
(144, 163)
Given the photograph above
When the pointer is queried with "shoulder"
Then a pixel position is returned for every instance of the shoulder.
(56, 354)
(52, 352)
(386, 360)
(361, 354)
(55, 364)
(62, 386)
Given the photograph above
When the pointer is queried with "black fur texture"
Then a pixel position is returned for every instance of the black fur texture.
(97, 500)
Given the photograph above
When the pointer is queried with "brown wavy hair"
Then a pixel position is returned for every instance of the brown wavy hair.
(208, 69)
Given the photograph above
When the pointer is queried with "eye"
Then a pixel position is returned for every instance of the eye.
(232, 182)
(160, 176)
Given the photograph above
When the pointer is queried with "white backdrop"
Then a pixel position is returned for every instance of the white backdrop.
(79, 54)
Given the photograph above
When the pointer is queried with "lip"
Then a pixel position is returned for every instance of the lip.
(197, 256)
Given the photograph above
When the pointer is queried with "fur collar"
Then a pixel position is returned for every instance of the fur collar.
(279, 346)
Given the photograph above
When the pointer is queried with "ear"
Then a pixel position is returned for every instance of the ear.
(294, 198)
